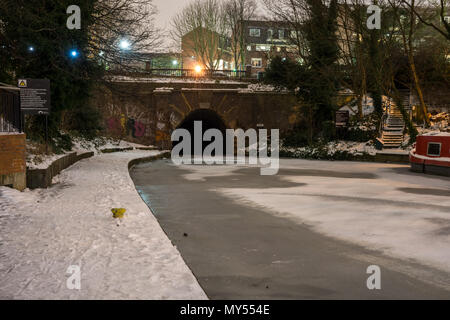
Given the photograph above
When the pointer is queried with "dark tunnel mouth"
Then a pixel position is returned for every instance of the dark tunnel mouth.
(210, 120)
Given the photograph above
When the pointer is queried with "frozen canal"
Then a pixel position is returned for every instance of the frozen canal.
(309, 232)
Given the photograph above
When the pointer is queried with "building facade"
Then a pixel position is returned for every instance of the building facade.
(265, 40)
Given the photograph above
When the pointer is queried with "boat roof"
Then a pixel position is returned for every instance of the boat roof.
(436, 134)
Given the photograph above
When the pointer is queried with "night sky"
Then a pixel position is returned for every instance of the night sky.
(168, 8)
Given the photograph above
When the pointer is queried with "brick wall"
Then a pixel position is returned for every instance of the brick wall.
(12, 160)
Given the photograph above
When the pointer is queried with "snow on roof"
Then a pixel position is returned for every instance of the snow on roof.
(367, 105)
(10, 133)
(436, 134)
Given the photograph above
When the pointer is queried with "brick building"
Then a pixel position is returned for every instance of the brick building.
(265, 40)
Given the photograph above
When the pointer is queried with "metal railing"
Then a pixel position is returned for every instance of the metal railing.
(187, 73)
(10, 114)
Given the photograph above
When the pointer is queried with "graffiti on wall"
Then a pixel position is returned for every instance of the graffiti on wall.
(126, 126)
(126, 121)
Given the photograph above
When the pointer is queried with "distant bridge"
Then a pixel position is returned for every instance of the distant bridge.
(148, 111)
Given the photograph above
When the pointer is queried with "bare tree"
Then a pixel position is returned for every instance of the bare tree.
(406, 20)
(236, 12)
(432, 14)
(122, 30)
(353, 55)
(202, 25)
(294, 13)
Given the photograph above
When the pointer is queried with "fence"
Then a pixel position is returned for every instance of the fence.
(10, 114)
(197, 73)
(188, 73)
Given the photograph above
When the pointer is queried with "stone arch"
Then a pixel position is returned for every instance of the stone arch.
(210, 120)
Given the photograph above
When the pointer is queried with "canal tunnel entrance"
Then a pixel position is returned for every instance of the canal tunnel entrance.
(210, 120)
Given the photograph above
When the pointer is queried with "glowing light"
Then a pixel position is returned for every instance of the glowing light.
(31, 49)
(174, 62)
(74, 53)
(198, 69)
(124, 44)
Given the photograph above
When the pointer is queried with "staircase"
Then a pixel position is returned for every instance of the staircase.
(393, 125)
(392, 133)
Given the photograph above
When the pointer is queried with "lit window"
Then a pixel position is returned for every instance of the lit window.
(262, 47)
(249, 48)
(281, 34)
(255, 32)
(447, 19)
(294, 34)
(278, 49)
(256, 62)
(434, 149)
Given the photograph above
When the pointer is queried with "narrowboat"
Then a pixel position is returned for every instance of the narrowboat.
(431, 154)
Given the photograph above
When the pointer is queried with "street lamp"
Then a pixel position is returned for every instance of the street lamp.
(198, 69)
(174, 62)
(31, 48)
(124, 44)
(74, 53)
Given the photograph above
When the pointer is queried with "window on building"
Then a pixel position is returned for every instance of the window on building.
(294, 34)
(269, 34)
(254, 32)
(278, 49)
(249, 48)
(256, 62)
(262, 47)
(447, 19)
(434, 149)
(281, 34)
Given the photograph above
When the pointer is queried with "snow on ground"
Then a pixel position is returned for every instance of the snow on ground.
(258, 87)
(44, 231)
(42, 161)
(367, 106)
(101, 143)
(352, 147)
(37, 159)
(383, 207)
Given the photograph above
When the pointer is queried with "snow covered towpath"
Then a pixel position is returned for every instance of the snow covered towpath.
(45, 231)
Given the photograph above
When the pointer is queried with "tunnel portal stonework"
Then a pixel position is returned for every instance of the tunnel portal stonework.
(148, 114)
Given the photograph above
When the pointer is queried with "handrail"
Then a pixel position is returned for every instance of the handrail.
(188, 73)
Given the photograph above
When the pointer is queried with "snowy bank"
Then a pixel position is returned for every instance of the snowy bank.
(43, 232)
(38, 159)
